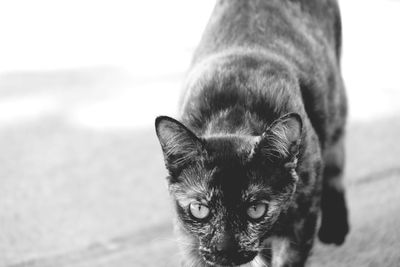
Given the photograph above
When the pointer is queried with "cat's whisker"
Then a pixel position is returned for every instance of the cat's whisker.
(267, 257)
(260, 262)
(196, 263)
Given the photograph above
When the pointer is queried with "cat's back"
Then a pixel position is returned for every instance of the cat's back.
(294, 28)
(272, 57)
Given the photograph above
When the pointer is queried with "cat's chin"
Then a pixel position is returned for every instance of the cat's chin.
(237, 260)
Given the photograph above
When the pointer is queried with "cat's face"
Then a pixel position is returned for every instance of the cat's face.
(228, 190)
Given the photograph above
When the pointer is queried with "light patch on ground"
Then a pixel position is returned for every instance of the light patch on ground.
(128, 108)
(144, 36)
(371, 57)
(23, 109)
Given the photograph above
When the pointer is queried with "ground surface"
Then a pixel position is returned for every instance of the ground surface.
(81, 172)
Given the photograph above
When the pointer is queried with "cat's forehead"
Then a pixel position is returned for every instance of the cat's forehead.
(225, 173)
(232, 183)
(229, 159)
(226, 149)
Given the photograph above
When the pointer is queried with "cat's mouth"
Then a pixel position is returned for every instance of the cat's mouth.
(228, 259)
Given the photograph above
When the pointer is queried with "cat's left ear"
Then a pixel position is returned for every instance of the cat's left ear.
(179, 144)
(282, 138)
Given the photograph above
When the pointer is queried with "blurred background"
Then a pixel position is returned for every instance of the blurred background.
(82, 181)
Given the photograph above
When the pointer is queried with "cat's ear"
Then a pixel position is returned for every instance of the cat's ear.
(282, 138)
(178, 143)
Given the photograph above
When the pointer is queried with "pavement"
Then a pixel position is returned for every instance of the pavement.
(82, 181)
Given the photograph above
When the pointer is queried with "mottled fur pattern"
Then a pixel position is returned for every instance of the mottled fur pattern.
(261, 128)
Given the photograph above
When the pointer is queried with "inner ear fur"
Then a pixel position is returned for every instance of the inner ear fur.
(281, 140)
(178, 143)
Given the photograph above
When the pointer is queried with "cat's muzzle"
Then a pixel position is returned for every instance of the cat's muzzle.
(230, 258)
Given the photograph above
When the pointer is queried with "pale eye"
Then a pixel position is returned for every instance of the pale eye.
(199, 210)
(257, 211)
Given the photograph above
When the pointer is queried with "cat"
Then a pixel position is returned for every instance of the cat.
(256, 160)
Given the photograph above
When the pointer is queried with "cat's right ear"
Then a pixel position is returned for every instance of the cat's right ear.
(178, 143)
(283, 138)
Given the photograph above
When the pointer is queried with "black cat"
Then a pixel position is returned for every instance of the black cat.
(259, 148)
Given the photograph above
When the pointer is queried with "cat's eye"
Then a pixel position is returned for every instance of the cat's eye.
(257, 211)
(198, 210)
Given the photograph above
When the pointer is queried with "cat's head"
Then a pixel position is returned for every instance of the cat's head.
(229, 190)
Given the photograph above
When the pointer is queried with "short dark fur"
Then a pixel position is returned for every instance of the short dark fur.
(262, 121)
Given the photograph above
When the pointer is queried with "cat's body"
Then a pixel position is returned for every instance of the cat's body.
(265, 109)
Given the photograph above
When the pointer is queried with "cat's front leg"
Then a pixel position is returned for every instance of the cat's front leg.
(293, 248)
(286, 253)
(277, 253)
(334, 224)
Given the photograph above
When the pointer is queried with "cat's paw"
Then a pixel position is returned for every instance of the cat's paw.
(334, 232)
(334, 225)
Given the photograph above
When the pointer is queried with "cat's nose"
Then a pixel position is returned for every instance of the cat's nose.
(226, 244)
